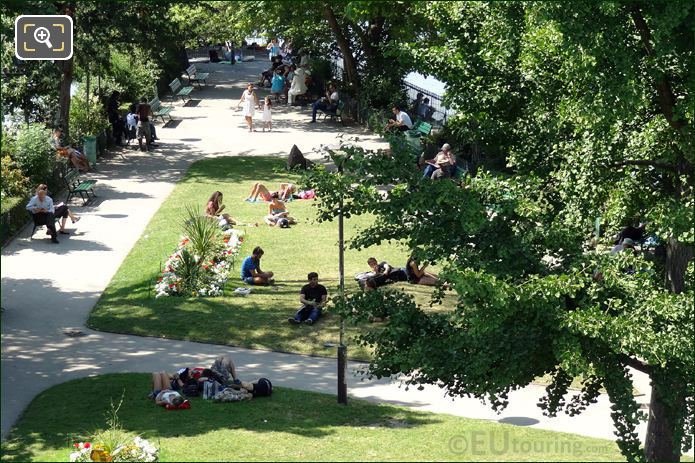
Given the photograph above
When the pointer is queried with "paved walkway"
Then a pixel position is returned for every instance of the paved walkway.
(46, 298)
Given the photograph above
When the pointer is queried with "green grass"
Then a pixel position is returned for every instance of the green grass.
(259, 320)
(290, 425)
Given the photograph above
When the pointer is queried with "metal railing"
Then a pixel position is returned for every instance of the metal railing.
(440, 114)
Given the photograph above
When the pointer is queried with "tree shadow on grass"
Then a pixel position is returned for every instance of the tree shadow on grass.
(58, 416)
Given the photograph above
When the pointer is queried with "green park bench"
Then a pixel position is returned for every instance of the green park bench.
(158, 110)
(419, 129)
(77, 186)
(178, 89)
(335, 115)
(195, 76)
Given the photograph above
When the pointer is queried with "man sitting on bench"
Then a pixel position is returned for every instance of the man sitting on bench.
(327, 104)
(401, 122)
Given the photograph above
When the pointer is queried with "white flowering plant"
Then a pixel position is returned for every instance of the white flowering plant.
(189, 274)
(135, 449)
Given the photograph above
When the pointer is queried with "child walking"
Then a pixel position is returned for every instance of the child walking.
(267, 120)
(250, 99)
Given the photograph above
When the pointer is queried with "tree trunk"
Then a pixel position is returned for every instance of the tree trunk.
(66, 71)
(678, 255)
(344, 45)
(659, 444)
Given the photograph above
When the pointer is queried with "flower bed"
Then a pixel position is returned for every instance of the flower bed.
(186, 274)
(137, 450)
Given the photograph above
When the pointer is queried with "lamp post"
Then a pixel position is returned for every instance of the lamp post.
(342, 349)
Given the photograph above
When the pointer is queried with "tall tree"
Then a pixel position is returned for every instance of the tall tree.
(592, 106)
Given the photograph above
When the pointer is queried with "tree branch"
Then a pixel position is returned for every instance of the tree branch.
(667, 101)
(638, 365)
(644, 162)
(684, 167)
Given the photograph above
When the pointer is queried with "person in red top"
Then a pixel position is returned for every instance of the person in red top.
(214, 209)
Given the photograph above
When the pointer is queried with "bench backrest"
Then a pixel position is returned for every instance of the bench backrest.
(175, 85)
(190, 70)
(155, 104)
(425, 128)
(70, 176)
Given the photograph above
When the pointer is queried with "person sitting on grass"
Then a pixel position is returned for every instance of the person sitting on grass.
(214, 208)
(313, 297)
(224, 367)
(417, 275)
(251, 272)
(278, 214)
(76, 158)
(162, 394)
(284, 192)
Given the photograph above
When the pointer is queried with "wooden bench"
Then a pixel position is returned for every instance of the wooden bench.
(335, 115)
(178, 89)
(77, 186)
(195, 76)
(158, 110)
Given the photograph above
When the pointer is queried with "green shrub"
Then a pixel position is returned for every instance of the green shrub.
(86, 118)
(34, 154)
(203, 233)
(132, 74)
(12, 180)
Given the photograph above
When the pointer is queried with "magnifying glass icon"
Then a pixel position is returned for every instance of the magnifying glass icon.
(42, 35)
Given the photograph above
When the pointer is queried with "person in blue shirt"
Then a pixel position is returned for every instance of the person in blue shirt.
(251, 272)
(277, 85)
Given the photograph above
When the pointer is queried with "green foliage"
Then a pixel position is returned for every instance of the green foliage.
(87, 117)
(133, 74)
(203, 233)
(34, 154)
(13, 180)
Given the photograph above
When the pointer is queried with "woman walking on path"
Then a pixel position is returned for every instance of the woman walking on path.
(250, 100)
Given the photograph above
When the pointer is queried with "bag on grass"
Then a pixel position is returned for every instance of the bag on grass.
(262, 388)
(210, 388)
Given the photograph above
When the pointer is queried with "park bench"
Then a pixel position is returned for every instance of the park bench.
(335, 114)
(158, 110)
(195, 76)
(419, 129)
(178, 89)
(77, 186)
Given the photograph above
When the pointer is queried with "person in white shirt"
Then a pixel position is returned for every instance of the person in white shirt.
(41, 206)
(329, 103)
(402, 121)
(298, 86)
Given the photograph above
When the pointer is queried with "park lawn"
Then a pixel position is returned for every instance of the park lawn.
(291, 425)
(259, 320)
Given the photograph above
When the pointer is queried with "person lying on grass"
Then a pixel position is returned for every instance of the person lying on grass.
(284, 192)
(162, 394)
(384, 274)
(313, 297)
(251, 272)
